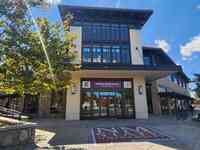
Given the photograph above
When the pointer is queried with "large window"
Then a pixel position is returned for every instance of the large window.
(105, 43)
(113, 54)
(101, 32)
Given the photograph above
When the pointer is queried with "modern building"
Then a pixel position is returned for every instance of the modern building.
(119, 77)
(117, 73)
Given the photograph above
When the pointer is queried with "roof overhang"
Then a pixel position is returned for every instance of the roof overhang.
(134, 17)
(175, 95)
(150, 73)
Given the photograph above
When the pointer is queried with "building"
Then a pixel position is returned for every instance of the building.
(119, 78)
(117, 73)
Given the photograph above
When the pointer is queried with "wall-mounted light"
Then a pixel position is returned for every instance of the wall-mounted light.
(74, 89)
(140, 89)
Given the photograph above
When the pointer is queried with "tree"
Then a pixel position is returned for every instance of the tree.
(33, 61)
(197, 81)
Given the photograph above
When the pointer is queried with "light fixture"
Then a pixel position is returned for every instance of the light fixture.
(140, 89)
(74, 89)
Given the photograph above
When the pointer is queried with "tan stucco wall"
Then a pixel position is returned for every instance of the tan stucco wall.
(155, 98)
(136, 47)
(73, 101)
(141, 107)
(77, 31)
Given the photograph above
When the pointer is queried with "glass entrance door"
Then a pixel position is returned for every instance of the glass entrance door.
(109, 100)
(104, 103)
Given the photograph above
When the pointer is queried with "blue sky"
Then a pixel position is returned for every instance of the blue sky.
(174, 26)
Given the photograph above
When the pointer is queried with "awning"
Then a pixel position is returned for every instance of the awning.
(150, 73)
(175, 95)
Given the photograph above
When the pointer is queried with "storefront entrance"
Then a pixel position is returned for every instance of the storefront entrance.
(107, 98)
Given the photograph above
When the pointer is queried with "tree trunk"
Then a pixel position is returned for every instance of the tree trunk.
(44, 105)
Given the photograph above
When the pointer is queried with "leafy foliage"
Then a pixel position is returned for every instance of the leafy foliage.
(24, 67)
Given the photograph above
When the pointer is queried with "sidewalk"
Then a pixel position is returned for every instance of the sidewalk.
(57, 133)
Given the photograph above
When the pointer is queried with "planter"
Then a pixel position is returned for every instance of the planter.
(15, 132)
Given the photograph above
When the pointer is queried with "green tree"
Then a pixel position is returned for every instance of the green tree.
(25, 65)
(197, 81)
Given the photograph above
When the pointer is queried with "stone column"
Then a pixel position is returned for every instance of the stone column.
(44, 105)
(73, 101)
(155, 99)
(141, 107)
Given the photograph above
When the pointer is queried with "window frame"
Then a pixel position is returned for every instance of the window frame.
(110, 47)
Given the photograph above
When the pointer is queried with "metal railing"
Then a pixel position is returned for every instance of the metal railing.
(11, 113)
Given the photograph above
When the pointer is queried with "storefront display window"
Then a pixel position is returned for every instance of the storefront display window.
(107, 99)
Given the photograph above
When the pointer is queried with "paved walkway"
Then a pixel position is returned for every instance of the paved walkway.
(76, 135)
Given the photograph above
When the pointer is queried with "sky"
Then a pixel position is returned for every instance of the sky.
(174, 26)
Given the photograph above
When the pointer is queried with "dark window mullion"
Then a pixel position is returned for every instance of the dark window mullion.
(91, 50)
(101, 47)
(120, 51)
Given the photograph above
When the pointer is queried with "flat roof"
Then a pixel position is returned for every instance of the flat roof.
(135, 17)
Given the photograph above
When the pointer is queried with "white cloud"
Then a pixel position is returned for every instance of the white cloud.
(192, 46)
(53, 2)
(163, 44)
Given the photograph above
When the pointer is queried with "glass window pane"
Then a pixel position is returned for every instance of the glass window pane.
(96, 55)
(125, 55)
(106, 55)
(86, 55)
(105, 32)
(148, 60)
(115, 54)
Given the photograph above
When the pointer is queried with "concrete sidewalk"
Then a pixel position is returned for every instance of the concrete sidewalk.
(72, 135)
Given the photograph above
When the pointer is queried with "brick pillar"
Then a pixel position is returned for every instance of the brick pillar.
(44, 105)
(155, 99)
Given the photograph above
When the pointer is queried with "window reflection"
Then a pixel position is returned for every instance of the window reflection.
(106, 54)
(115, 54)
(86, 55)
(96, 54)
(107, 101)
(148, 60)
(99, 32)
